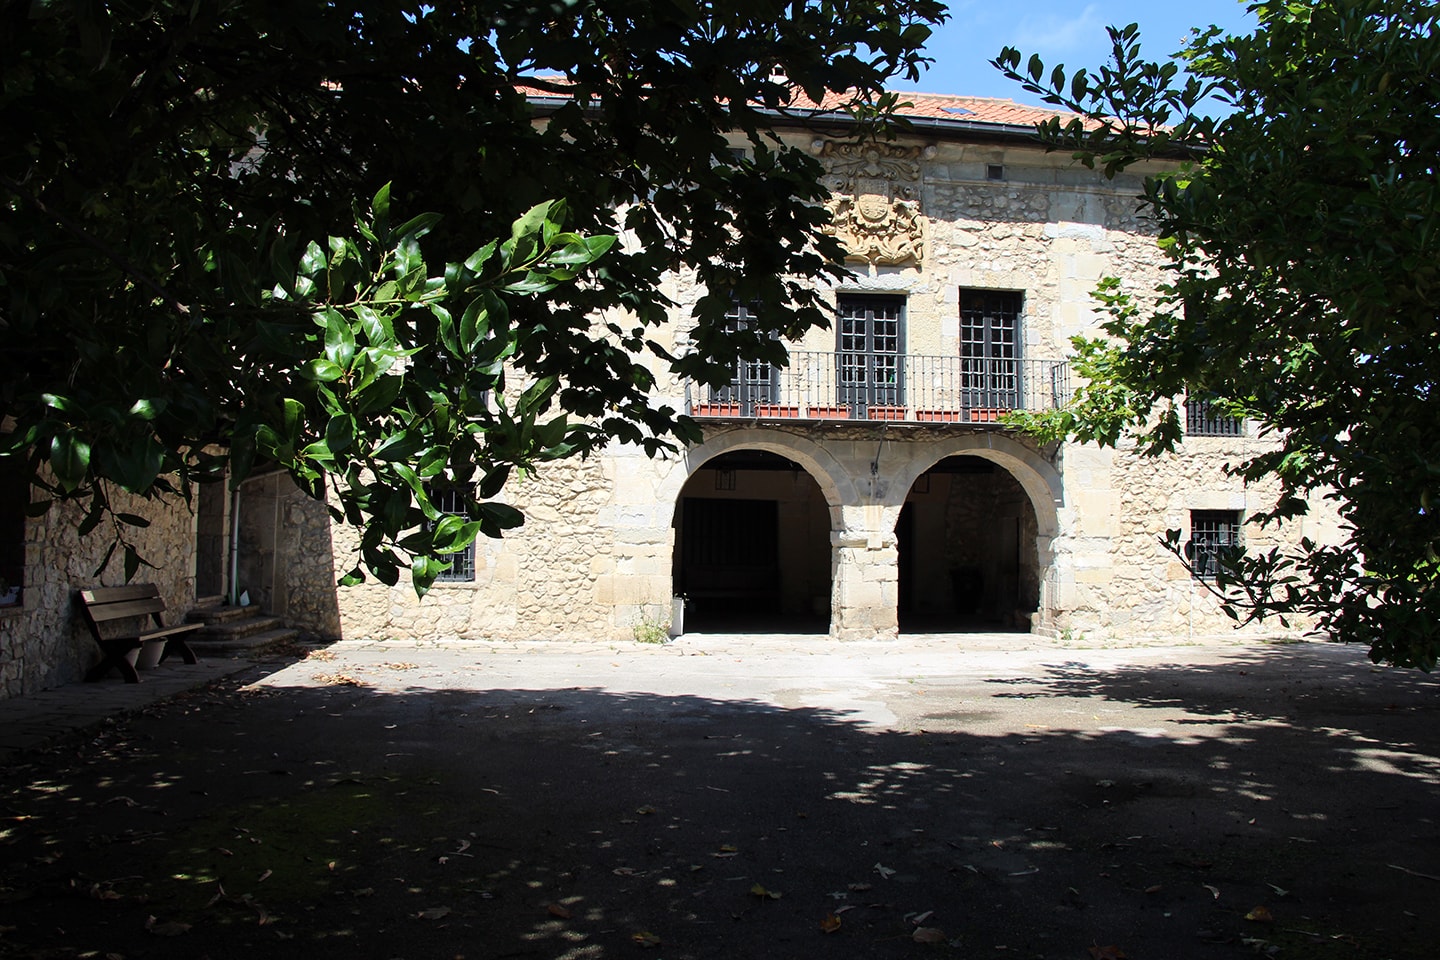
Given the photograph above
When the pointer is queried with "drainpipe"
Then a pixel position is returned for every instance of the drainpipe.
(234, 598)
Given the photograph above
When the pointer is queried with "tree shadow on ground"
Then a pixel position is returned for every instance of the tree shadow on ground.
(345, 820)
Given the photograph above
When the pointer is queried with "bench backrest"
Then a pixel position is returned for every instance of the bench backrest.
(114, 603)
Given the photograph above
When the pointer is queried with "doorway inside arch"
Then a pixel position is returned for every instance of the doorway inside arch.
(752, 547)
(966, 540)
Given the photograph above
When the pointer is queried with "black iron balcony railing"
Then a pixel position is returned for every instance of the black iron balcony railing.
(918, 389)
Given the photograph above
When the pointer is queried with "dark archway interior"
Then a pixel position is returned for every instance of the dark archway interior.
(752, 547)
(967, 555)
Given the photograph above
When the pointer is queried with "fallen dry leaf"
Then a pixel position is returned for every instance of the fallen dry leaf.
(883, 870)
(555, 910)
(830, 924)
(1110, 952)
(928, 935)
(646, 810)
(433, 913)
(762, 893)
(645, 939)
(264, 876)
(1261, 914)
(336, 680)
(1214, 891)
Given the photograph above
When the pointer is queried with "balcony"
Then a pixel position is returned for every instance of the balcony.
(904, 389)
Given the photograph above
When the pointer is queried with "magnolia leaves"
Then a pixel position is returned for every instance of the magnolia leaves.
(401, 388)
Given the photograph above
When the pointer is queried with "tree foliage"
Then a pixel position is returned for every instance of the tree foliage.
(190, 261)
(1303, 288)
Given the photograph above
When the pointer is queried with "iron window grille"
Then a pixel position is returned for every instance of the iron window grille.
(1214, 534)
(755, 381)
(1203, 420)
(870, 351)
(462, 562)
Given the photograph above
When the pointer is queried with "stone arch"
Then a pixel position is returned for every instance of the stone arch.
(834, 481)
(1041, 485)
(1037, 475)
(759, 557)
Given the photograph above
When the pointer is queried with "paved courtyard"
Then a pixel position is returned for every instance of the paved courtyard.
(962, 795)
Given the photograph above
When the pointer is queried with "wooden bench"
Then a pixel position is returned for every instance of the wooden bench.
(108, 604)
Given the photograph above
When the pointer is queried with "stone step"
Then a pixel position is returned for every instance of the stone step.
(211, 646)
(220, 613)
(239, 629)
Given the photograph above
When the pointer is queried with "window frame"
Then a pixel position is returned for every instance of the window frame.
(1212, 531)
(463, 566)
(1201, 421)
(992, 364)
(751, 381)
(866, 372)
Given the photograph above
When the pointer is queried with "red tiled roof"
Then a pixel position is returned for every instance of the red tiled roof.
(946, 106)
(935, 106)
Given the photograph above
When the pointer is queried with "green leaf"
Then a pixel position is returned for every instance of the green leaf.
(323, 370)
(339, 339)
(380, 211)
(339, 432)
(399, 446)
(69, 459)
(148, 409)
(312, 262)
(475, 263)
(416, 227)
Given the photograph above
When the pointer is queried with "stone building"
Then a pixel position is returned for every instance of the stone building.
(868, 487)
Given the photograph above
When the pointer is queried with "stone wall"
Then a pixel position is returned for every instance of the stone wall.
(44, 642)
(288, 562)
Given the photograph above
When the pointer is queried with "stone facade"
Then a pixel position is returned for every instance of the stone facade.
(44, 641)
(1000, 532)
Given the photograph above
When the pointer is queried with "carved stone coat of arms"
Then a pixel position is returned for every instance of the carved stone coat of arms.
(875, 201)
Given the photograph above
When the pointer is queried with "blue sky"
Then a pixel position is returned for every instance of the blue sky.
(1071, 32)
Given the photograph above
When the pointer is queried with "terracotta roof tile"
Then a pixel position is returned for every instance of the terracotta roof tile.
(937, 106)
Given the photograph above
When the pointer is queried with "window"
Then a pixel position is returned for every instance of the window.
(994, 171)
(1203, 421)
(870, 351)
(14, 499)
(462, 562)
(755, 381)
(1212, 533)
(990, 348)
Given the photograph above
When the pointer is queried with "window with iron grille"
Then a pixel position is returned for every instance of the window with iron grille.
(990, 348)
(755, 381)
(462, 562)
(870, 351)
(1212, 533)
(1203, 420)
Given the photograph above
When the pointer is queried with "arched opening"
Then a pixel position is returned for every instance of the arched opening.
(752, 546)
(968, 558)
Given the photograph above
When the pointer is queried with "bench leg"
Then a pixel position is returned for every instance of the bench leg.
(178, 645)
(114, 657)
